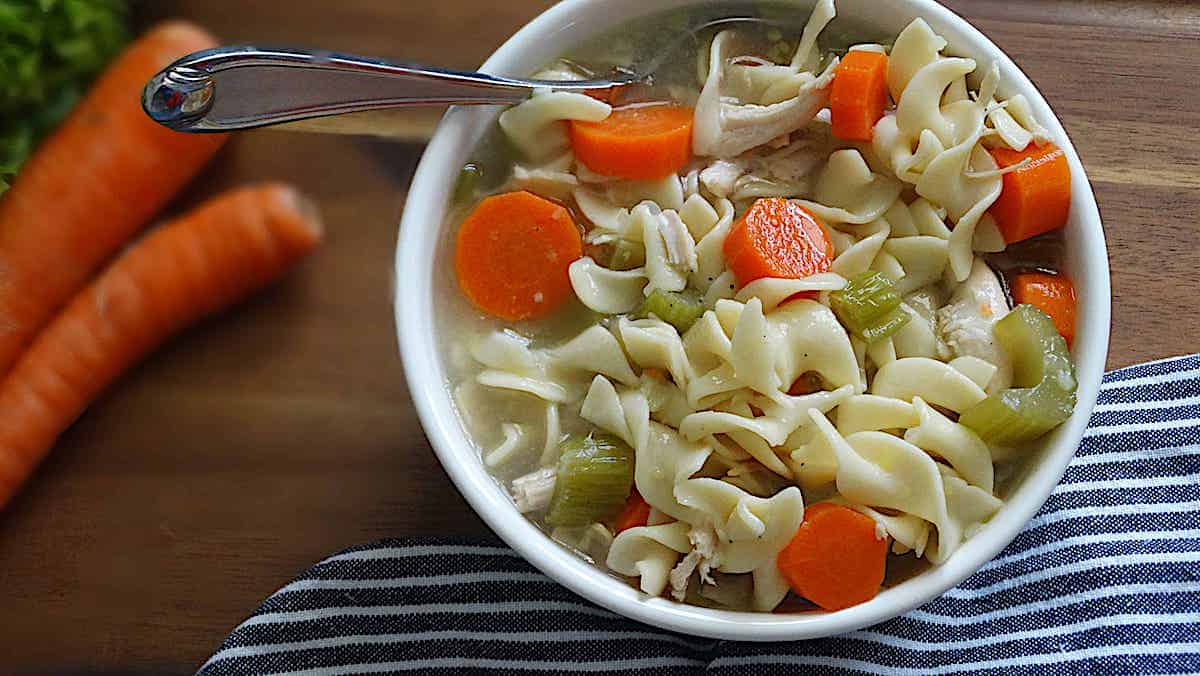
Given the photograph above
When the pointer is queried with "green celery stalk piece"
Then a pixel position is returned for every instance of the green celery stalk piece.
(1037, 349)
(467, 184)
(680, 310)
(595, 477)
(1021, 415)
(626, 255)
(886, 325)
(1044, 375)
(869, 306)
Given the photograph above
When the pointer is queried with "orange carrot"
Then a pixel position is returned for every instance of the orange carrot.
(1037, 197)
(777, 238)
(193, 267)
(636, 513)
(105, 172)
(642, 142)
(858, 95)
(835, 560)
(1052, 294)
(513, 254)
(808, 383)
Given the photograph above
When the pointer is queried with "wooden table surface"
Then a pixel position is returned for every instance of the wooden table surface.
(282, 431)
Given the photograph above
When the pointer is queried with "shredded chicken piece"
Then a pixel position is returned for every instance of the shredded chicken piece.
(726, 127)
(788, 170)
(702, 559)
(798, 160)
(681, 573)
(681, 248)
(743, 127)
(965, 324)
(704, 540)
(720, 177)
(532, 492)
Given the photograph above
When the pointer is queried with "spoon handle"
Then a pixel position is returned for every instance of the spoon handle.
(232, 88)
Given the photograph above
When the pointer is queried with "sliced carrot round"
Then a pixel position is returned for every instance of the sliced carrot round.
(835, 559)
(642, 142)
(858, 95)
(1035, 198)
(513, 254)
(777, 238)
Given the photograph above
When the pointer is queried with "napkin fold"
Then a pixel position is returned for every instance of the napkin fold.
(1104, 580)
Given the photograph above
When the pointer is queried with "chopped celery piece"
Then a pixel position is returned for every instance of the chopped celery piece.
(886, 326)
(1045, 377)
(1037, 349)
(627, 256)
(866, 298)
(870, 307)
(595, 476)
(680, 310)
(467, 183)
(1017, 416)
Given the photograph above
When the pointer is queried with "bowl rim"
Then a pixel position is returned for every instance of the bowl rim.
(413, 285)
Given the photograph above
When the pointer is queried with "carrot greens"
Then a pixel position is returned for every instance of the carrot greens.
(49, 51)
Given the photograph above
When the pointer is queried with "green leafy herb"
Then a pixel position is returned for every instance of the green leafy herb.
(49, 51)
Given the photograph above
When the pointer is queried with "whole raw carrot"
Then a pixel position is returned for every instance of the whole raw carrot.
(197, 265)
(99, 178)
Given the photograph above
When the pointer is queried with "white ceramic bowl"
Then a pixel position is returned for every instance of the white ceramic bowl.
(423, 234)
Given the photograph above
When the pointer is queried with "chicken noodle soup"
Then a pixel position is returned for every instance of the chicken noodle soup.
(778, 328)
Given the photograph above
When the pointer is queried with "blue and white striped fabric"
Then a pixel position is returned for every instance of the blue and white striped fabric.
(1105, 580)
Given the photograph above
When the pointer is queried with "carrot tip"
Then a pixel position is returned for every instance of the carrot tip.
(291, 199)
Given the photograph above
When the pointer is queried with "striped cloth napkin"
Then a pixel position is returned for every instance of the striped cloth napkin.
(1105, 580)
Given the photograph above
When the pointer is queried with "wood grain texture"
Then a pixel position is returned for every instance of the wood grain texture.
(282, 431)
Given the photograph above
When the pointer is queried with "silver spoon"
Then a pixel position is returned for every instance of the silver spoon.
(233, 88)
